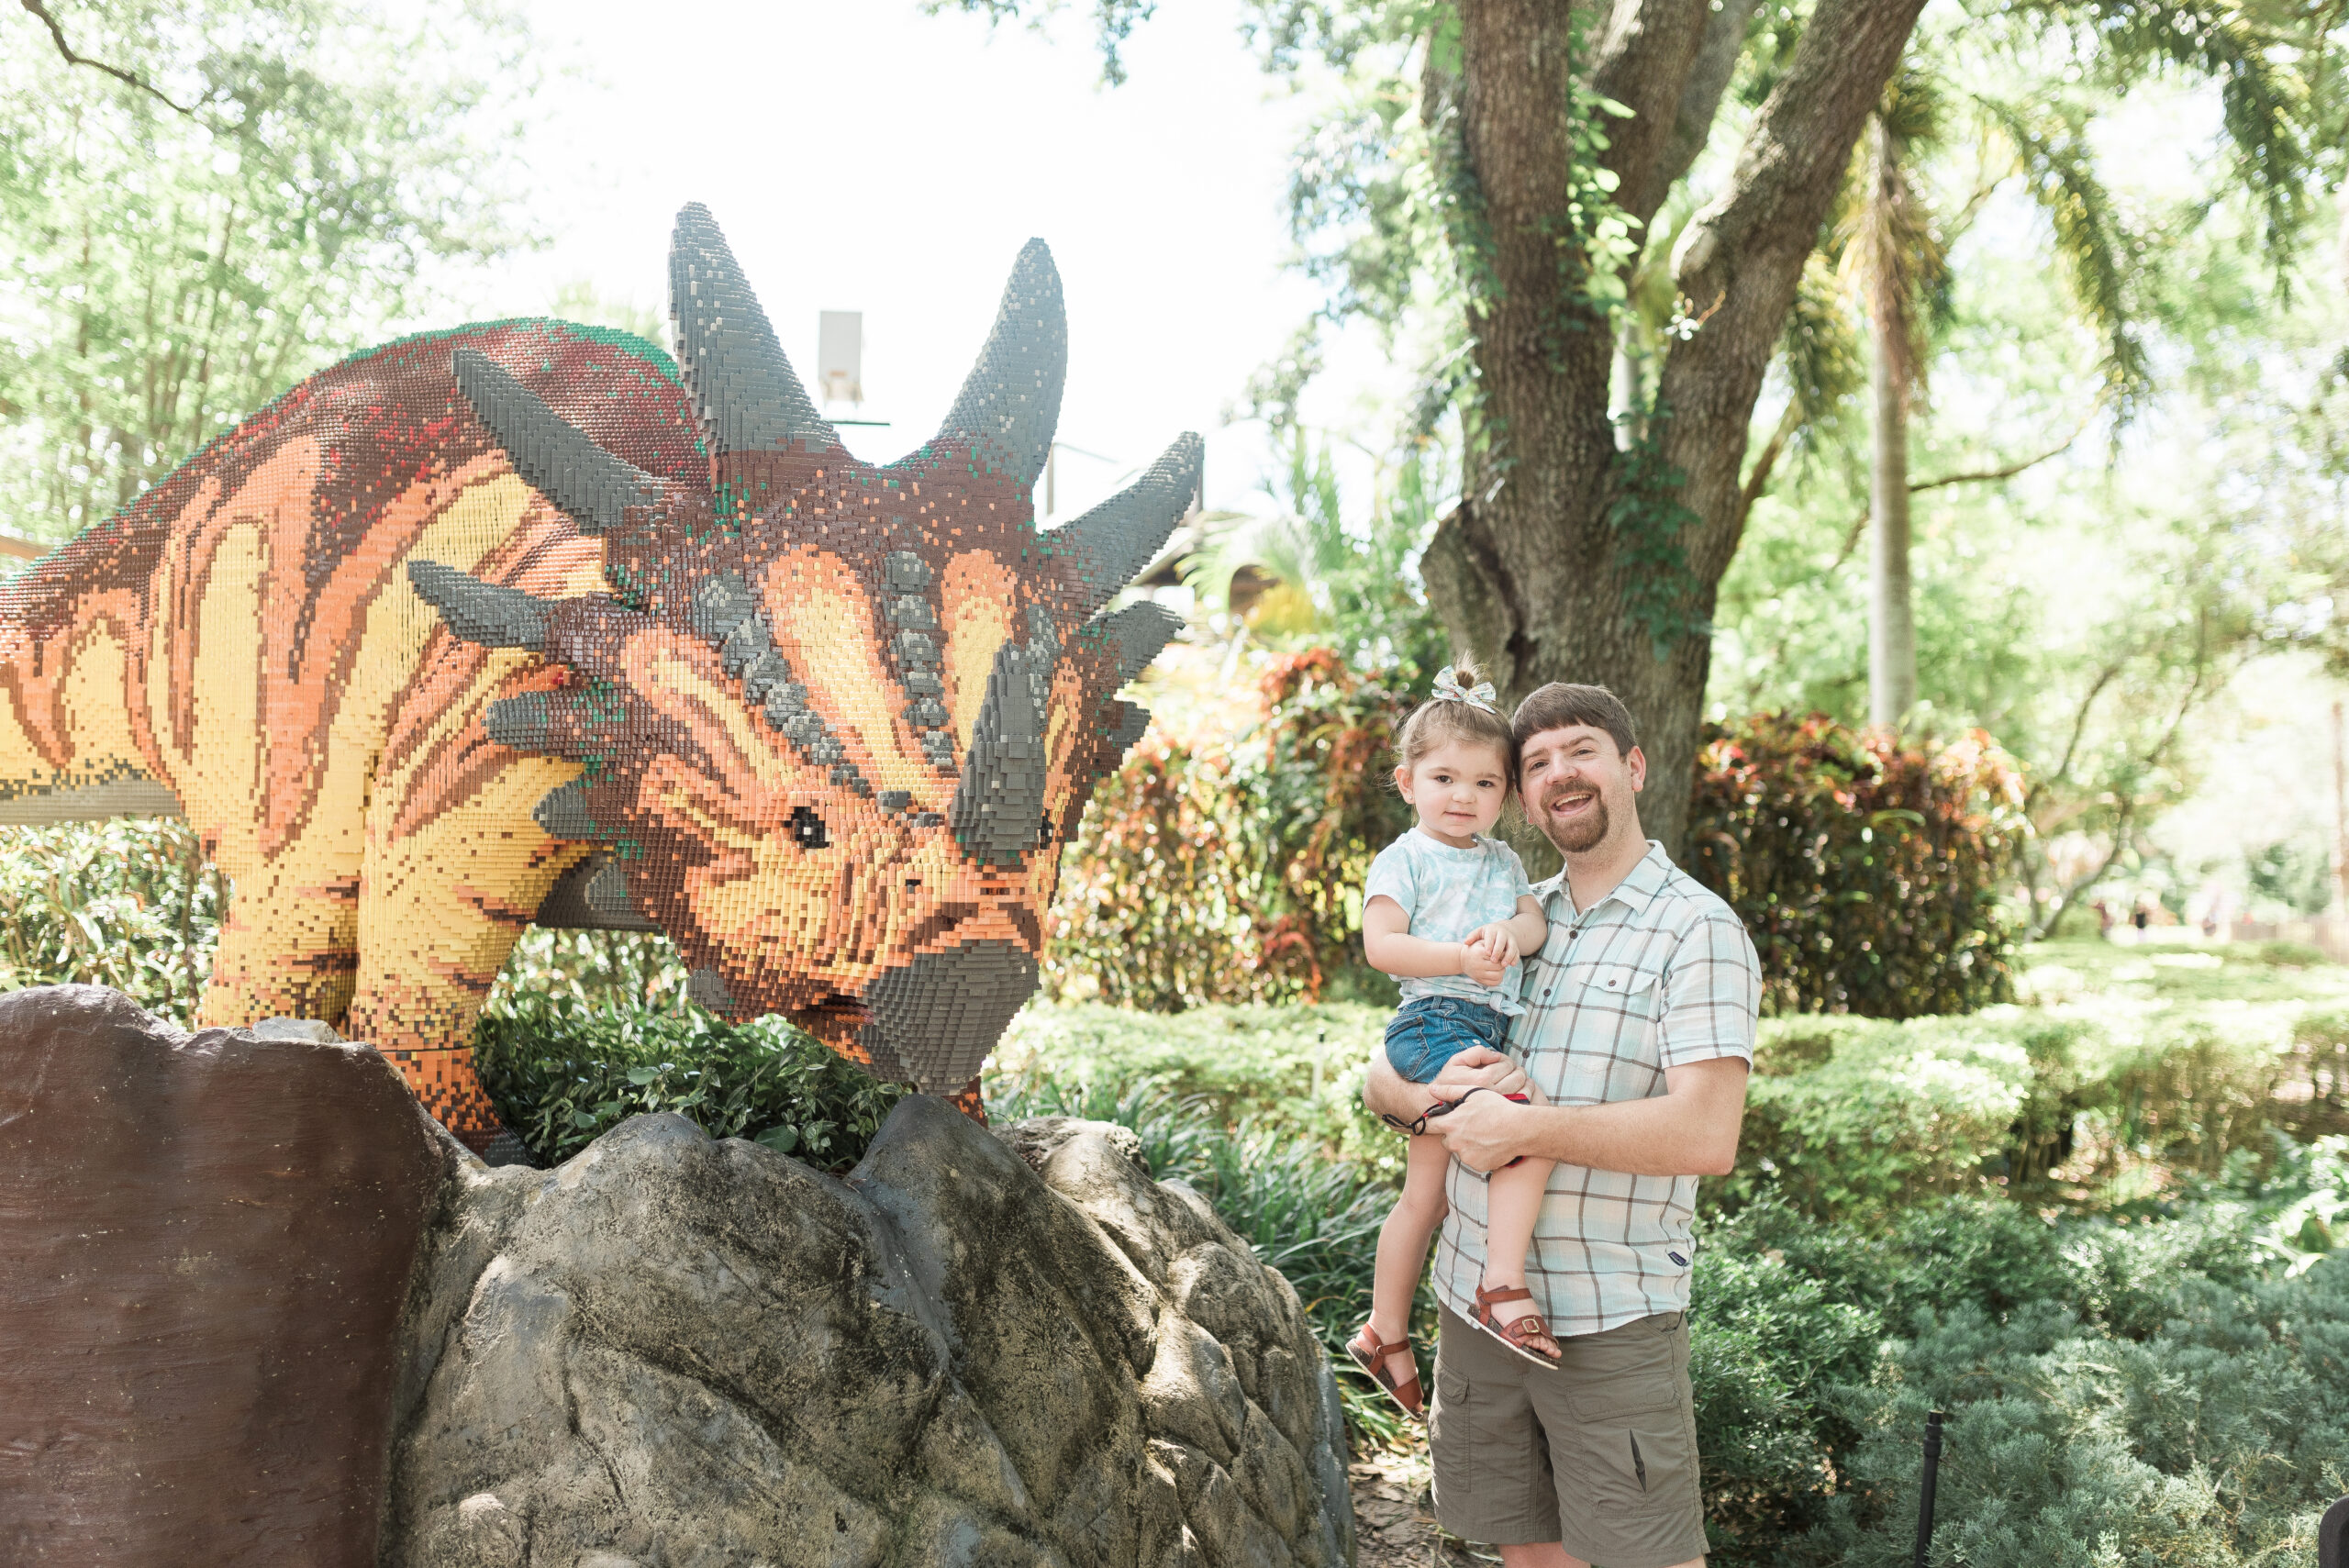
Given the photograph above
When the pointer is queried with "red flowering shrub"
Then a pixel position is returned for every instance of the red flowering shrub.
(1870, 874)
(1233, 871)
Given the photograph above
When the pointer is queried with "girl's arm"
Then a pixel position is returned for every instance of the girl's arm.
(1387, 943)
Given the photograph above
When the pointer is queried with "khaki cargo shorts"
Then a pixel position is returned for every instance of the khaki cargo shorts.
(1599, 1455)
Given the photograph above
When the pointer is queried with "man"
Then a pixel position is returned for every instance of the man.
(1638, 1033)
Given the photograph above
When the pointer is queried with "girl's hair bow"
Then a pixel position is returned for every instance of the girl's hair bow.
(1480, 695)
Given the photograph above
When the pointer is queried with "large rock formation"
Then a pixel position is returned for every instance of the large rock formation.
(674, 1351)
(255, 1309)
(206, 1241)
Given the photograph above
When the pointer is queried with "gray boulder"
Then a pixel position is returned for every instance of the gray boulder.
(1007, 1349)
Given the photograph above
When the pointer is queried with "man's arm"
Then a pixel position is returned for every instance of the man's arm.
(1389, 1093)
(1690, 1130)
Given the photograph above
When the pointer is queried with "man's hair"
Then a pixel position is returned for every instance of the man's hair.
(1560, 703)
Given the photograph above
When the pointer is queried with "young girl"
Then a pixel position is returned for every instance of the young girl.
(1447, 911)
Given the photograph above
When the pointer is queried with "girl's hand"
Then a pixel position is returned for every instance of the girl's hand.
(1498, 940)
(1477, 963)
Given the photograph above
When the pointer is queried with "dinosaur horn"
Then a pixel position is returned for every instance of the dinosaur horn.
(1140, 631)
(559, 461)
(1000, 802)
(482, 612)
(744, 389)
(1117, 539)
(1011, 405)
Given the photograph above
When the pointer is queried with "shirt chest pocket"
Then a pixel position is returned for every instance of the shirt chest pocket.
(1619, 987)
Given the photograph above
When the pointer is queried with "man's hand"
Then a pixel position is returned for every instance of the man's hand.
(1389, 1093)
(1484, 1132)
(1479, 1067)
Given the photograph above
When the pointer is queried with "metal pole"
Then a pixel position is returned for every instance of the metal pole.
(1925, 1490)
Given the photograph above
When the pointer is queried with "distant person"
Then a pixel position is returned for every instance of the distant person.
(1448, 912)
(1638, 1032)
(2143, 916)
(2103, 919)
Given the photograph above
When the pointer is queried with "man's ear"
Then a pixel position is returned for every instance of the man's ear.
(1635, 762)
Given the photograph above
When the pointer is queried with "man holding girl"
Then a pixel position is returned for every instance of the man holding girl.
(1580, 1049)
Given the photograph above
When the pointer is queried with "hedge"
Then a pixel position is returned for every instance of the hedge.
(1871, 874)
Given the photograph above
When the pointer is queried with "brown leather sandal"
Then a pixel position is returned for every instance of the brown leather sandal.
(1371, 1356)
(1528, 1336)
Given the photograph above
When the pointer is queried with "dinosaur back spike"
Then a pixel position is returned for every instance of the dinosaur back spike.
(480, 612)
(742, 386)
(1010, 403)
(1116, 540)
(1140, 631)
(560, 461)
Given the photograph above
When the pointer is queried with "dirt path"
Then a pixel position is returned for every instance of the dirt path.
(1395, 1520)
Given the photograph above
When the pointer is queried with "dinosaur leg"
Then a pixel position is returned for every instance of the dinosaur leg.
(442, 897)
(289, 945)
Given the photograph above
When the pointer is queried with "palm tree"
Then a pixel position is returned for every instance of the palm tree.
(2016, 85)
(1892, 259)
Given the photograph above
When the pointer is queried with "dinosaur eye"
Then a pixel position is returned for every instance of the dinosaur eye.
(1044, 832)
(807, 829)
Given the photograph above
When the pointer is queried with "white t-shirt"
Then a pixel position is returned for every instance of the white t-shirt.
(1447, 894)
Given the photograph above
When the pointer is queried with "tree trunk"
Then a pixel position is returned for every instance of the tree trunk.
(1892, 624)
(1569, 558)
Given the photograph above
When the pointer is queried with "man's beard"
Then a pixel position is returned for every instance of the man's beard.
(1585, 832)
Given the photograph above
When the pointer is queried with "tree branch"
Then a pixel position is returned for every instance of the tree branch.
(1644, 63)
(1748, 246)
(1709, 79)
(57, 35)
(1758, 482)
(1986, 475)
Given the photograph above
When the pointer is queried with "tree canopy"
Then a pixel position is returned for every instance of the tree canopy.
(206, 201)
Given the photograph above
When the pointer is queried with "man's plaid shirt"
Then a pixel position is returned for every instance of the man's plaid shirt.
(1659, 974)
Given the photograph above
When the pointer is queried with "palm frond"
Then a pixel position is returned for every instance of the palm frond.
(2099, 250)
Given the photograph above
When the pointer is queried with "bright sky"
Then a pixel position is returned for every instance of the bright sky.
(863, 157)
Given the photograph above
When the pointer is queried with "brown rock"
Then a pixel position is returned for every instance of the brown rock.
(206, 1243)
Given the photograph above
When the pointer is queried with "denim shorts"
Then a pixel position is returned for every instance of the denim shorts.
(1425, 1034)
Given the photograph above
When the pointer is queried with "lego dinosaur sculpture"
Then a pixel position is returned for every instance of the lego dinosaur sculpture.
(524, 622)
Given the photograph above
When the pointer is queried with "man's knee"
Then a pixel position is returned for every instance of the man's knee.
(1540, 1555)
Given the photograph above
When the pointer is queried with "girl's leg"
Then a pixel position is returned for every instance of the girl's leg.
(1512, 1203)
(1403, 1249)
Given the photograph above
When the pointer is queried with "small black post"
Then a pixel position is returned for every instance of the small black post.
(1925, 1491)
(2333, 1537)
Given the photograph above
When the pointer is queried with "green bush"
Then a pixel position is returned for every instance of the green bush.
(1853, 1117)
(2220, 1438)
(1298, 1069)
(1871, 875)
(128, 902)
(562, 1070)
(1886, 1114)
(2091, 1368)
